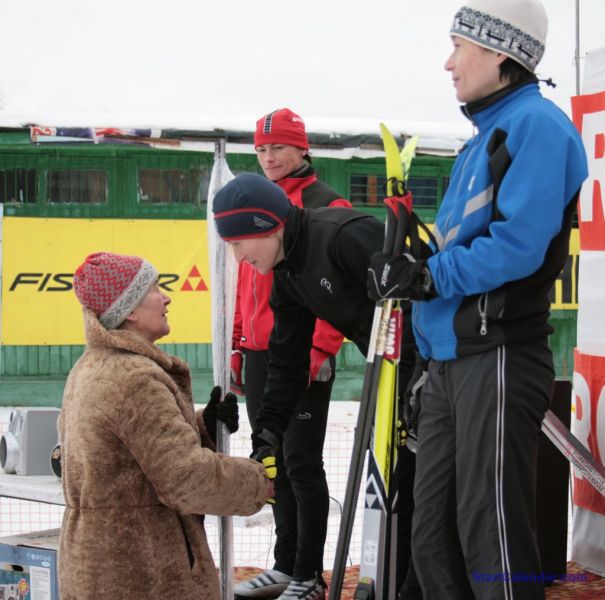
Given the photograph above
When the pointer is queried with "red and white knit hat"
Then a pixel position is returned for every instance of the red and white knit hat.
(113, 285)
(281, 126)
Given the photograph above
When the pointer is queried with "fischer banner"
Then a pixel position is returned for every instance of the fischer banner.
(40, 256)
(588, 538)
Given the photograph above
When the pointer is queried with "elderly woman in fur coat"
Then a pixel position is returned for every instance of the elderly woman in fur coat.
(138, 464)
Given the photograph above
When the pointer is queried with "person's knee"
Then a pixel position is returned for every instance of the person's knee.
(300, 464)
(418, 539)
(307, 474)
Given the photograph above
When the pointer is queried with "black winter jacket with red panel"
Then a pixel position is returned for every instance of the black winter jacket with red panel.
(323, 275)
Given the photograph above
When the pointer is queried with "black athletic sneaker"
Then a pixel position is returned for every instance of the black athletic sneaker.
(268, 584)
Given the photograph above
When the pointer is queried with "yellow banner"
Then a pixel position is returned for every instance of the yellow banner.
(564, 295)
(39, 306)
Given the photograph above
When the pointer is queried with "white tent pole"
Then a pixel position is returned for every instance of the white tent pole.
(577, 51)
(1, 264)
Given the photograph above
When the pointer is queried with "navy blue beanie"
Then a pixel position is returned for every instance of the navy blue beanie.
(249, 206)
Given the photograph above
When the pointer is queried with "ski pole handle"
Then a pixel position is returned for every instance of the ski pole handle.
(390, 229)
(399, 209)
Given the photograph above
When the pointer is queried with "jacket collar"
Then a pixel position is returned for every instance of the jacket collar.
(483, 111)
(294, 250)
(306, 170)
(294, 180)
(127, 341)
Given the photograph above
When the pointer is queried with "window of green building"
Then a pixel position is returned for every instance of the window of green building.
(18, 186)
(76, 186)
(368, 189)
(172, 186)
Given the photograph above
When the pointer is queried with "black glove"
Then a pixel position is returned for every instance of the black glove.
(226, 411)
(400, 276)
(411, 401)
(264, 449)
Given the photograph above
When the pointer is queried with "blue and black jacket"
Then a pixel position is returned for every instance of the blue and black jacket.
(503, 228)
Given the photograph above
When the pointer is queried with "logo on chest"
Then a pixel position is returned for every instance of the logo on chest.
(325, 283)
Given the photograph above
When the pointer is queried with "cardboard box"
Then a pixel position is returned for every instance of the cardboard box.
(28, 566)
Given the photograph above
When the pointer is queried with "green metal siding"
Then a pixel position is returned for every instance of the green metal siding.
(121, 165)
(57, 361)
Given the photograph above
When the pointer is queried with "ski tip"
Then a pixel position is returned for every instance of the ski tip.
(407, 154)
(388, 139)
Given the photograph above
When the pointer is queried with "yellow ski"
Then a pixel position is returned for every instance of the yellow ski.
(379, 538)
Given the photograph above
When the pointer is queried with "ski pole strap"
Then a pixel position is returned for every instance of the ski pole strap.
(415, 243)
(408, 226)
(399, 209)
(390, 229)
(395, 187)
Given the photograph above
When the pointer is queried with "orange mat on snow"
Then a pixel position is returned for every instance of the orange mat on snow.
(581, 585)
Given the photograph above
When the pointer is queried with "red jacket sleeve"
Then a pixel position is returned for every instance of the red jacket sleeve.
(326, 338)
(340, 203)
(236, 336)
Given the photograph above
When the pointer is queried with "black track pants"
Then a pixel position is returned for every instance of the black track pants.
(474, 520)
(301, 490)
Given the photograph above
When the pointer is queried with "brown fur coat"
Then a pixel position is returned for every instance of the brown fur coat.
(136, 476)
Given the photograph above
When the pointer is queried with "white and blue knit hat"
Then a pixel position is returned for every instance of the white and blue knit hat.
(516, 28)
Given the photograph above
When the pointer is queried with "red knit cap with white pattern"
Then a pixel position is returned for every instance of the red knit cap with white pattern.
(113, 285)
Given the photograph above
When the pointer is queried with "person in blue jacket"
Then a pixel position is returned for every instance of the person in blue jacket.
(481, 311)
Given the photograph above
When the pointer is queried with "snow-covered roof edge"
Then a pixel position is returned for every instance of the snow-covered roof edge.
(336, 136)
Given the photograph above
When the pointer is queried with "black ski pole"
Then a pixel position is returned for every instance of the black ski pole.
(396, 227)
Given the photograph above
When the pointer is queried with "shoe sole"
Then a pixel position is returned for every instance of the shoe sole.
(238, 597)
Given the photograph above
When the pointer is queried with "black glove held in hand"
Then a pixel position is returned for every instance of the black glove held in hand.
(400, 277)
(226, 411)
(265, 444)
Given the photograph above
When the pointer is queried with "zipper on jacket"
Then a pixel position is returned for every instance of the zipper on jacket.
(444, 230)
(477, 141)
(482, 306)
(254, 312)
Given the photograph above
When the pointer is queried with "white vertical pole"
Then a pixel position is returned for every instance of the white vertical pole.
(223, 282)
(1, 265)
(577, 51)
